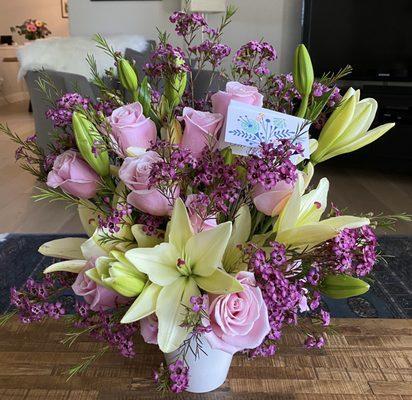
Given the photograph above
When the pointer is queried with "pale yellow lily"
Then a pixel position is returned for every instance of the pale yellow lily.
(299, 224)
(177, 270)
(76, 252)
(347, 129)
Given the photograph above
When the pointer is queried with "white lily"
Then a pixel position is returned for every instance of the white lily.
(299, 224)
(75, 251)
(78, 251)
(347, 129)
(177, 271)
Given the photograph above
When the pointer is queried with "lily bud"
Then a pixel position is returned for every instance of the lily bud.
(303, 76)
(127, 76)
(175, 132)
(87, 136)
(118, 274)
(343, 286)
(347, 129)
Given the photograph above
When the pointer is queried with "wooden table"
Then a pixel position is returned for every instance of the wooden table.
(366, 359)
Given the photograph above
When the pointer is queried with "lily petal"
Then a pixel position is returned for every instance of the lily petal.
(180, 227)
(170, 312)
(335, 126)
(205, 250)
(241, 227)
(362, 141)
(289, 215)
(74, 266)
(158, 262)
(220, 282)
(314, 204)
(142, 239)
(345, 222)
(88, 218)
(306, 235)
(67, 248)
(90, 249)
(144, 305)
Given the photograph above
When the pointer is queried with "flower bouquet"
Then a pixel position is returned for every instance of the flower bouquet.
(204, 246)
(32, 29)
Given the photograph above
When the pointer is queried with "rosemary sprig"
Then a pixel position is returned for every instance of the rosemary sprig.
(388, 221)
(71, 337)
(53, 195)
(6, 317)
(87, 361)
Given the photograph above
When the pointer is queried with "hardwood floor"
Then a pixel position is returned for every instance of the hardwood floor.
(358, 191)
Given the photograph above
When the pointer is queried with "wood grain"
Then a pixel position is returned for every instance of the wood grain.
(366, 359)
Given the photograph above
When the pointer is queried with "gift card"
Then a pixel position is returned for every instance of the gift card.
(247, 126)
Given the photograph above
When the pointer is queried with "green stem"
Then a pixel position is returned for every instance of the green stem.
(135, 96)
(303, 106)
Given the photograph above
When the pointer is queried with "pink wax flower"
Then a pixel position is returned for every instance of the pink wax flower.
(271, 202)
(98, 297)
(73, 175)
(149, 328)
(201, 129)
(197, 210)
(130, 128)
(239, 321)
(236, 91)
(135, 172)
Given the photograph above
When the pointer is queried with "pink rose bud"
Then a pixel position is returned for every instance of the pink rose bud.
(239, 321)
(201, 129)
(130, 128)
(236, 91)
(135, 172)
(271, 202)
(73, 175)
(97, 296)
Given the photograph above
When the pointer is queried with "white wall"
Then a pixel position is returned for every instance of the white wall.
(14, 12)
(278, 21)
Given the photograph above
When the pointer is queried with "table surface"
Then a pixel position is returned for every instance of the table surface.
(365, 359)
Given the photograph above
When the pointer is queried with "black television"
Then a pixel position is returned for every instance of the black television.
(373, 36)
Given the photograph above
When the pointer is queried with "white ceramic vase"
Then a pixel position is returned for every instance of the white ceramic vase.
(206, 372)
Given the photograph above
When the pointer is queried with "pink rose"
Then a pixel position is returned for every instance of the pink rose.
(97, 296)
(236, 91)
(198, 214)
(201, 129)
(239, 321)
(130, 128)
(149, 328)
(135, 172)
(271, 202)
(73, 175)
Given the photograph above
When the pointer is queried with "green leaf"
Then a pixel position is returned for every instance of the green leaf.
(318, 105)
(145, 97)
